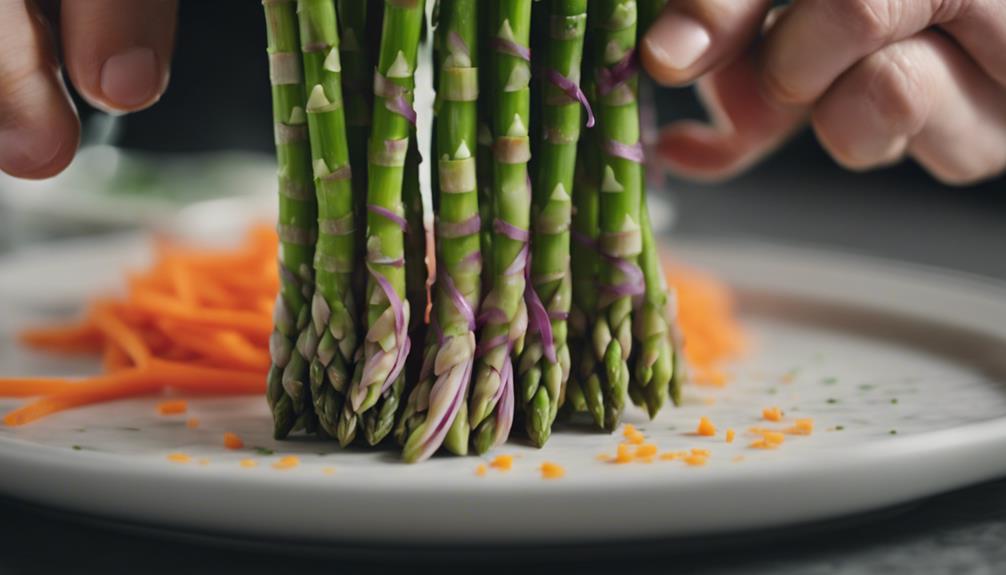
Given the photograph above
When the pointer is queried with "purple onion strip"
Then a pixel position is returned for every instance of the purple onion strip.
(631, 152)
(610, 78)
(389, 214)
(572, 89)
(512, 48)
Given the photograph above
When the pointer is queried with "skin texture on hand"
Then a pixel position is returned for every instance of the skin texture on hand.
(117, 54)
(877, 79)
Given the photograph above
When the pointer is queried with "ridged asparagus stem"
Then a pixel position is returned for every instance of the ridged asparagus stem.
(654, 357)
(331, 333)
(287, 393)
(492, 400)
(437, 412)
(545, 364)
(387, 343)
(649, 10)
(621, 190)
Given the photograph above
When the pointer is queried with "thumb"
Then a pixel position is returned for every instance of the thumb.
(692, 37)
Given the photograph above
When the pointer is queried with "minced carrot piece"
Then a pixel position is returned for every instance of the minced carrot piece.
(192, 423)
(628, 430)
(706, 427)
(551, 470)
(730, 436)
(702, 452)
(624, 453)
(668, 456)
(232, 441)
(696, 460)
(328, 470)
(179, 458)
(802, 427)
(646, 450)
(772, 414)
(603, 457)
(502, 462)
(287, 462)
(481, 470)
(636, 438)
(172, 407)
(248, 463)
(203, 461)
(769, 440)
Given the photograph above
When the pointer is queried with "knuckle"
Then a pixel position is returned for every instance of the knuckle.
(898, 91)
(869, 21)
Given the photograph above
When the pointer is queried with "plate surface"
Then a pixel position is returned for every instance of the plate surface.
(901, 368)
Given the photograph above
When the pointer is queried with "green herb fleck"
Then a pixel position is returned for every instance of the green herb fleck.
(894, 400)
(829, 380)
(894, 432)
(832, 400)
(77, 448)
(839, 427)
(772, 391)
(866, 386)
(263, 451)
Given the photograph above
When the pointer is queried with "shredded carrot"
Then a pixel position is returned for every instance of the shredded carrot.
(696, 460)
(287, 462)
(772, 414)
(551, 470)
(801, 427)
(730, 436)
(705, 427)
(624, 453)
(769, 440)
(179, 458)
(700, 452)
(232, 441)
(481, 470)
(248, 463)
(173, 407)
(203, 461)
(646, 450)
(668, 456)
(192, 423)
(502, 462)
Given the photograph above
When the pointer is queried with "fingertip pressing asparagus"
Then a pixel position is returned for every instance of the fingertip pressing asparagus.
(545, 363)
(288, 396)
(387, 343)
(504, 313)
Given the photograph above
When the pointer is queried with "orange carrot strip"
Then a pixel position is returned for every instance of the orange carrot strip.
(123, 335)
(232, 441)
(252, 324)
(114, 359)
(128, 383)
(33, 386)
(81, 337)
(172, 407)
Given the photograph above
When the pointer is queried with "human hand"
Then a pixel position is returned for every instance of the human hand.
(877, 79)
(116, 53)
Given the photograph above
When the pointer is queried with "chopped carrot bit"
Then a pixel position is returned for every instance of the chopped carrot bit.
(551, 470)
(481, 470)
(730, 436)
(287, 462)
(702, 452)
(769, 440)
(646, 450)
(628, 430)
(192, 423)
(706, 427)
(802, 427)
(695, 460)
(328, 470)
(668, 456)
(179, 458)
(772, 414)
(637, 438)
(232, 441)
(603, 457)
(248, 463)
(203, 461)
(502, 462)
(172, 407)
(709, 400)
(624, 454)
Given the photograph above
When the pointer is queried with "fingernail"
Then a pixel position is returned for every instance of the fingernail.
(130, 79)
(677, 41)
(25, 151)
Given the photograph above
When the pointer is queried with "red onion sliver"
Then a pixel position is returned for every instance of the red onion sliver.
(610, 78)
(572, 89)
(459, 300)
(631, 152)
(389, 214)
(472, 225)
(538, 320)
(457, 43)
(512, 48)
(511, 231)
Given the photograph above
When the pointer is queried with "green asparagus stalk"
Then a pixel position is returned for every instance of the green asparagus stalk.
(545, 364)
(437, 412)
(621, 190)
(492, 399)
(287, 394)
(649, 11)
(332, 332)
(355, 16)
(387, 343)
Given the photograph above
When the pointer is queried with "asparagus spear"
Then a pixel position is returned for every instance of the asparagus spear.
(545, 364)
(621, 190)
(286, 392)
(492, 401)
(437, 409)
(649, 10)
(387, 342)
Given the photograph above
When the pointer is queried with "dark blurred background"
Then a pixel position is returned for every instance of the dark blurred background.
(219, 99)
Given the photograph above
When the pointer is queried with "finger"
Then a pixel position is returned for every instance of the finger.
(922, 94)
(818, 40)
(692, 37)
(38, 126)
(118, 52)
(745, 126)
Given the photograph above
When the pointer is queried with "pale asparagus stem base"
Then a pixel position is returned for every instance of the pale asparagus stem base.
(288, 396)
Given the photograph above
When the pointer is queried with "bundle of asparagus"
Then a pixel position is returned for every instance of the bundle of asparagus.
(548, 290)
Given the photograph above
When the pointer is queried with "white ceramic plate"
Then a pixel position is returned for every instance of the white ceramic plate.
(901, 368)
